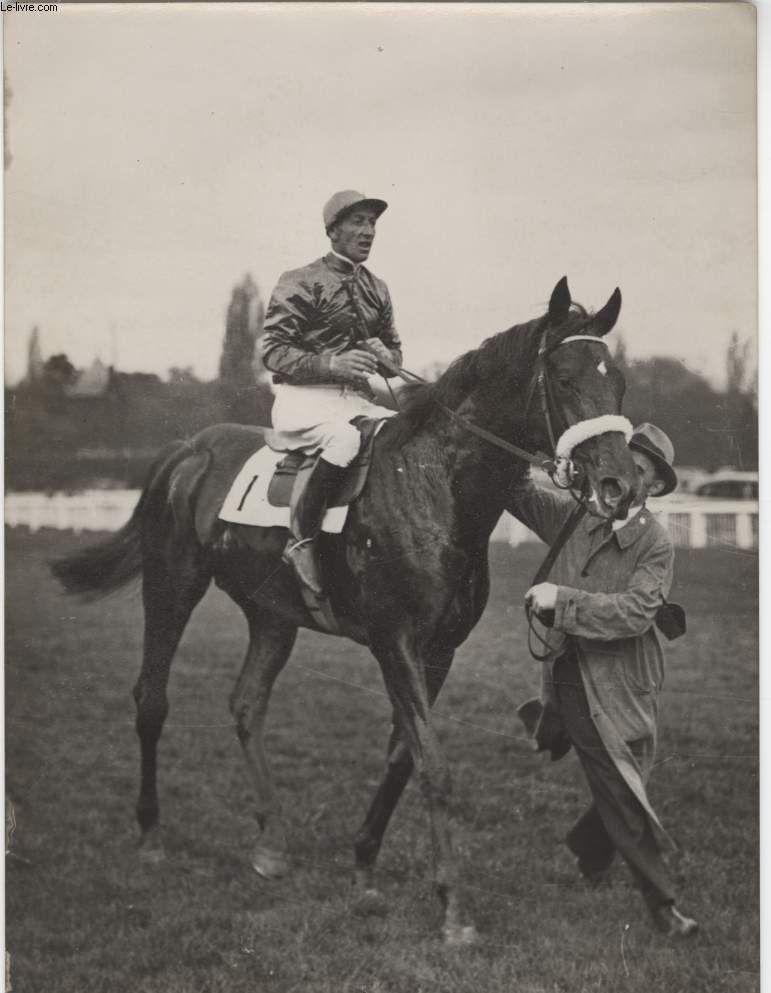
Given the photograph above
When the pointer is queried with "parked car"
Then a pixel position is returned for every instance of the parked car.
(728, 485)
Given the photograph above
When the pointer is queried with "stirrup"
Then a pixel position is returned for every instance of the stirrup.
(309, 578)
(316, 600)
(297, 544)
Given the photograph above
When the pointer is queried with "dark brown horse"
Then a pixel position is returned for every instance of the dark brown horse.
(408, 576)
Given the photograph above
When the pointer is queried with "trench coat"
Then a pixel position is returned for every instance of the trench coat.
(609, 589)
(310, 318)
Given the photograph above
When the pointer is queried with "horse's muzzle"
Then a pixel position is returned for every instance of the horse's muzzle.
(616, 496)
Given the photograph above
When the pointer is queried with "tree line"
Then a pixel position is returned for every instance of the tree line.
(70, 429)
(710, 427)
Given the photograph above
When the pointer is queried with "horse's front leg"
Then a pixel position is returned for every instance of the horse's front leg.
(399, 767)
(405, 679)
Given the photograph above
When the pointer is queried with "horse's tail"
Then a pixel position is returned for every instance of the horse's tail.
(107, 566)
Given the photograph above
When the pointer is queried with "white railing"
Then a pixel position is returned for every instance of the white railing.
(692, 522)
(91, 510)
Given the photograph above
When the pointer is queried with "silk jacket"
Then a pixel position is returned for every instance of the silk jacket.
(310, 318)
(610, 586)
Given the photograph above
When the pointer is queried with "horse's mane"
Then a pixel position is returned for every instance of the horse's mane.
(513, 349)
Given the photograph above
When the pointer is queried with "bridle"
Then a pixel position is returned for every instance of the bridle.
(560, 467)
(564, 474)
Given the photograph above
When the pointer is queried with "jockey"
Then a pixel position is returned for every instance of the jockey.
(325, 327)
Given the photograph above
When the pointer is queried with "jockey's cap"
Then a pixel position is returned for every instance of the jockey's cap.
(652, 441)
(340, 203)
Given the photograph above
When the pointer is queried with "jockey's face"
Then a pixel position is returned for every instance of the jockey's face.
(650, 482)
(353, 235)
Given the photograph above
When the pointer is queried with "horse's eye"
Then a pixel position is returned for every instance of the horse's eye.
(564, 384)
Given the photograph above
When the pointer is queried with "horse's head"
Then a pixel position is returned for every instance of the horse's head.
(580, 394)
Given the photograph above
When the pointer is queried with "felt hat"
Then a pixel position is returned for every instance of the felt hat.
(652, 441)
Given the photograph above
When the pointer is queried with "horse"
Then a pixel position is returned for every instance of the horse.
(408, 575)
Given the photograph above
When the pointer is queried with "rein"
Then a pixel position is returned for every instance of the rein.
(559, 468)
(539, 460)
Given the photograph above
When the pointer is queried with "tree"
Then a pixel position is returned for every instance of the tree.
(243, 398)
(620, 357)
(243, 325)
(59, 372)
(737, 357)
(708, 428)
(35, 364)
(740, 406)
(182, 376)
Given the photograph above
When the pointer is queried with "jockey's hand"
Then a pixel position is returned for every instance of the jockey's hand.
(353, 366)
(542, 600)
(382, 354)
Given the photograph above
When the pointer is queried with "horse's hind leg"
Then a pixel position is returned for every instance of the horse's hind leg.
(271, 640)
(169, 598)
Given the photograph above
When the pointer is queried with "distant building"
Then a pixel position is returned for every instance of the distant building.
(91, 383)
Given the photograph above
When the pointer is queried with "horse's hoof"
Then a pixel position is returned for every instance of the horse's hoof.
(269, 864)
(152, 854)
(460, 936)
(370, 903)
(151, 850)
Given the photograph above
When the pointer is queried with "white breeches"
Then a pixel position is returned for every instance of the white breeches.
(313, 417)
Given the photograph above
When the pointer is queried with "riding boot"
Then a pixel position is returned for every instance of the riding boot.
(305, 524)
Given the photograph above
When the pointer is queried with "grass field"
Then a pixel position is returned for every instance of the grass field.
(84, 915)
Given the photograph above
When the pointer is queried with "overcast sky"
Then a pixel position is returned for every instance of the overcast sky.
(160, 152)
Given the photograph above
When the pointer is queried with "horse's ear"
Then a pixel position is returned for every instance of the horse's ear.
(559, 305)
(605, 319)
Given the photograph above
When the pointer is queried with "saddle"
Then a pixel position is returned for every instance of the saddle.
(284, 487)
(292, 472)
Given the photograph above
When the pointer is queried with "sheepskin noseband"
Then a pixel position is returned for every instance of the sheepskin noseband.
(565, 472)
(590, 429)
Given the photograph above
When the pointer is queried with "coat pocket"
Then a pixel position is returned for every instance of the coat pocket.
(643, 665)
(631, 664)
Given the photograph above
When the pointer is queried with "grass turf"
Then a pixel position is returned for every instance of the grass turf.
(84, 915)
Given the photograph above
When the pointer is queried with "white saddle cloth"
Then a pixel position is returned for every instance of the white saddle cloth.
(247, 499)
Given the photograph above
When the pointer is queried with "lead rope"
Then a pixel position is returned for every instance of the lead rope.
(567, 529)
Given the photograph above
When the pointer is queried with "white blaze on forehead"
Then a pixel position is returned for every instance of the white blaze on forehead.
(602, 368)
